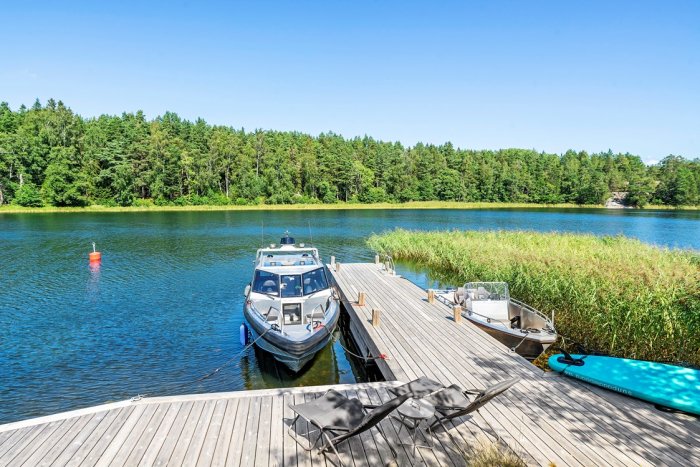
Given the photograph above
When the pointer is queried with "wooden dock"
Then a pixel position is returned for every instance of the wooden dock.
(247, 428)
(544, 418)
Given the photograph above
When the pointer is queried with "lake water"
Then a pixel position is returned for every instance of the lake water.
(165, 305)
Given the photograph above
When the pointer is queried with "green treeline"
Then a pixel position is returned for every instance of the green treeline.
(51, 156)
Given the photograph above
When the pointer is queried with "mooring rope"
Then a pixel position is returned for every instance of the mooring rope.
(513, 349)
(381, 356)
(237, 356)
(207, 375)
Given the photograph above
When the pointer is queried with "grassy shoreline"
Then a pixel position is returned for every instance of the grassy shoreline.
(612, 294)
(14, 209)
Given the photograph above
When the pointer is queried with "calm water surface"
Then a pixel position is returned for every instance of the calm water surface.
(165, 305)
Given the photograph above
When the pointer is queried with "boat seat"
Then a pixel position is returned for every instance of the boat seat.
(307, 286)
(269, 286)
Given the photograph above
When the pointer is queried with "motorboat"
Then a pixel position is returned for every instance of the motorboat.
(290, 309)
(489, 305)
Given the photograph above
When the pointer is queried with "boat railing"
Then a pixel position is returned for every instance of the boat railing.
(440, 294)
(525, 306)
(388, 263)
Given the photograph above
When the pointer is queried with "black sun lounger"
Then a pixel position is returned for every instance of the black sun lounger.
(339, 418)
(453, 402)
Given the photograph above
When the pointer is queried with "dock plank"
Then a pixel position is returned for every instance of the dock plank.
(202, 428)
(121, 434)
(250, 436)
(130, 439)
(143, 436)
(94, 441)
(277, 432)
(18, 446)
(224, 440)
(63, 440)
(79, 442)
(162, 431)
(264, 440)
(171, 437)
(214, 433)
(293, 454)
(236, 446)
(194, 420)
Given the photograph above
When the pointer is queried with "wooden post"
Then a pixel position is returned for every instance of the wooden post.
(457, 310)
(375, 317)
(431, 296)
(337, 266)
(332, 260)
(361, 299)
(376, 259)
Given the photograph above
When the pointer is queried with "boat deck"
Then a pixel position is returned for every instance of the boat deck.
(544, 418)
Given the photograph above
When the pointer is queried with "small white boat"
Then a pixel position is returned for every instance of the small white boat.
(290, 308)
(490, 306)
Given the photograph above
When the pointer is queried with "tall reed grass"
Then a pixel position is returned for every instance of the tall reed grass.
(612, 294)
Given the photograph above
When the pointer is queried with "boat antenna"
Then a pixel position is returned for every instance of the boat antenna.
(311, 237)
(262, 234)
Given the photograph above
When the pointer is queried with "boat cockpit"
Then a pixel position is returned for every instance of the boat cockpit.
(491, 301)
(297, 284)
(289, 285)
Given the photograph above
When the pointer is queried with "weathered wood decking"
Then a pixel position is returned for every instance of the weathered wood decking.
(544, 418)
(237, 428)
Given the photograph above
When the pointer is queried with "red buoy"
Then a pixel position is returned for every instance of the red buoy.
(95, 256)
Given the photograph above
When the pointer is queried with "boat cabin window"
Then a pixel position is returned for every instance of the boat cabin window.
(292, 313)
(291, 285)
(314, 281)
(266, 282)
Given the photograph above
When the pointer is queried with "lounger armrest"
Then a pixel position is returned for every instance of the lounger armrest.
(447, 407)
(472, 391)
(335, 428)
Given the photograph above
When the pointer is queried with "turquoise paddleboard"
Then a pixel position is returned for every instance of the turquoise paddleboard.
(671, 386)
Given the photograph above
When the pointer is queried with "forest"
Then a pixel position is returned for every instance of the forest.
(51, 156)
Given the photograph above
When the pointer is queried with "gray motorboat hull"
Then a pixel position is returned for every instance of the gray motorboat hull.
(529, 346)
(293, 354)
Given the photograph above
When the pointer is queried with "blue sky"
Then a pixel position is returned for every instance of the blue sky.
(620, 75)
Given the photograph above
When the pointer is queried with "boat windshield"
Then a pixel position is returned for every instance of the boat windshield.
(290, 285)
(488, 290)
(314, 281)
(266, 282)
